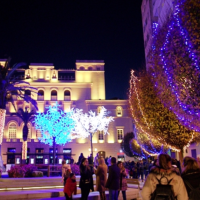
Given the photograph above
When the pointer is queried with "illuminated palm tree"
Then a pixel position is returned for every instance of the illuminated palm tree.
(9, 86)
(26, 117)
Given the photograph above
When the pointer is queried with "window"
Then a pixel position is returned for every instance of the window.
(194, 153)
(67, 150)
(53, 95)
(12, 131)
(119, 111)
(41, 95)
(28, 92)
(82, 68)
(119, 134)
(11, 156)
(90, 68)
(39, 150)
(38, 134)
(67, 95)
(39, 160)
(98, 68)
(101, 135)
(51, 150)
(11, 150)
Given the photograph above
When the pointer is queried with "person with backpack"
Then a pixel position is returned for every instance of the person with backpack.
(70, 186)
(163, 182)
(66, 170)
(191, 177)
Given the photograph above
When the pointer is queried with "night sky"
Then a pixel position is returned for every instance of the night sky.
(61, 32)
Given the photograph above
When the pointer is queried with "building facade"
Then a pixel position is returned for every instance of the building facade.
(83, 88)
(154, 11)
(158, 11)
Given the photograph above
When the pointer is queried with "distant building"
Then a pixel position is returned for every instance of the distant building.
(154, 11)
(83, 88)
(158, 11)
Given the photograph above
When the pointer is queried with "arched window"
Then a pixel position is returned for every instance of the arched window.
(67, 95)
(119, 111)
(41, 95)
(53, 95)
(12, 130)
(28, 92)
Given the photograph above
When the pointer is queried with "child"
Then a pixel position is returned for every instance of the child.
(70, 187)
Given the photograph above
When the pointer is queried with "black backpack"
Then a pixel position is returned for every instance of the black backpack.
(163, 192)
(194, 193)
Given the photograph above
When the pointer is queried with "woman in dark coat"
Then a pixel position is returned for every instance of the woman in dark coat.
(86, 180)
(191, 174)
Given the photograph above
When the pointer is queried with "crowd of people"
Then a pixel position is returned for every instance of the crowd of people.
(162, 177)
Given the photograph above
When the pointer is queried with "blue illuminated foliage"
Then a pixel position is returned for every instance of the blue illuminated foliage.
(54, 124)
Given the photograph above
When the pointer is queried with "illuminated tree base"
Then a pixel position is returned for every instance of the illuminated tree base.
(24, 150)
(2, 123)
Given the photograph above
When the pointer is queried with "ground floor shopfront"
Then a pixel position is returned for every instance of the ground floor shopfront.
(39, 153)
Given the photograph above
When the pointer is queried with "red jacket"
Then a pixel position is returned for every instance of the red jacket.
(70, 187)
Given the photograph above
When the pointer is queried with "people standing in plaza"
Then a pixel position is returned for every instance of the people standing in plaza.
(165, 170)
(96, 160)
(113, 182)
(123, 181)
(86, 180)
(80, 159)
(141, 170)
(101, 178)
(70, 187)
(66, 170)
(191, 177)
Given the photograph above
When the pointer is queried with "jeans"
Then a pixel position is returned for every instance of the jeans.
(113, 194)
(123, 194)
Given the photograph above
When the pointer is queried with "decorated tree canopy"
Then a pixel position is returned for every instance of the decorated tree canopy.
(154, 122)
(175, 63)
(89, 123)
(54, 124)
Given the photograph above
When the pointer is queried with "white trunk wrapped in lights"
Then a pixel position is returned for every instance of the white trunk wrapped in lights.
(2, 123)
(24, 150)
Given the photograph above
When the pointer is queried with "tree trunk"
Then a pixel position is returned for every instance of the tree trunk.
(25, 132)
(24, 152)
(2, 123)
(181, 158)
(54, 150)
(91, 147)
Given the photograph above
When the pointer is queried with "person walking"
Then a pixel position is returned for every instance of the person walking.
(80, 159)
(86, 180)
(66, 170)
(70, 187)
(165, 170)
(123, 181)
(101, 177)
(191, 177)
(113, 182)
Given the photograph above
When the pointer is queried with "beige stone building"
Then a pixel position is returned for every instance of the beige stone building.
(83, 88)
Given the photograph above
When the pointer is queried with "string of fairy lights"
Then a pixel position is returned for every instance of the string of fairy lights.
(187, 114)
(138, 125)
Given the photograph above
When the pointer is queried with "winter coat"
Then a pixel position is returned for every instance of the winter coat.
(101, 177)
(151, 182)
(86, 177)
(70, 187)
(113, 181)
(193, 177)
(123, 181)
